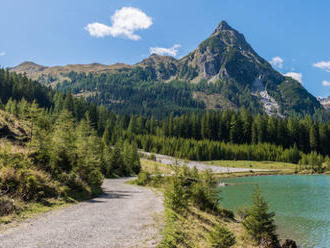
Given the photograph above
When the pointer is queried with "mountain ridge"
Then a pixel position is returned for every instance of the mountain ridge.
(225, 60)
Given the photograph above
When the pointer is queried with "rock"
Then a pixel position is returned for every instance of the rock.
(289, 244)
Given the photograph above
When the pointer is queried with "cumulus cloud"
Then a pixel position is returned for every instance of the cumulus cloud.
(325, 83)
(125, 22)
(2, 53)
(324, 65)
(295, 75)
(277, 62)
(172, 51)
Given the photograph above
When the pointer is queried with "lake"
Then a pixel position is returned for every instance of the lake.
(301, 204)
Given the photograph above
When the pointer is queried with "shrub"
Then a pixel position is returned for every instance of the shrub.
(152, 157)
(221, 237)
(175, 196)
(172, 232)
(143, 178)
(242, 213)
(7, 205)
(27, 184)
(226, 213)
(204, 193)
(36, 185)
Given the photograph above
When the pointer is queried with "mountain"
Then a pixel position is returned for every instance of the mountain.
(223, 72)
(325, 102)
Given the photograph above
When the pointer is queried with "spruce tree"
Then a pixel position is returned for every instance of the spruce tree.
(260, 222)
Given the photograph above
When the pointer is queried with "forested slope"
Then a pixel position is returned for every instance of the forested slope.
(223, 72)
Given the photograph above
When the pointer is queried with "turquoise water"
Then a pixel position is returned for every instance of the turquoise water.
(301, 204)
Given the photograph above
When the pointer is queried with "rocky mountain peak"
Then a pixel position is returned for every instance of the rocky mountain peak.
(222, 27)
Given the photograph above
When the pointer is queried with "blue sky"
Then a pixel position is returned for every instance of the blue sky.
(295, 32)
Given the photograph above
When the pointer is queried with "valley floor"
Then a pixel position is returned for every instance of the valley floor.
(229, 168)
(124, 216)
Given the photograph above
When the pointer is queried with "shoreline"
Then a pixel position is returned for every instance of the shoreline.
(284, 227)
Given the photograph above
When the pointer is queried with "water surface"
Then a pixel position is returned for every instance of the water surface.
(301, 204)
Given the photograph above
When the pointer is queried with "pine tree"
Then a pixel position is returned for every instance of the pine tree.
(62, 143)
(68, 102)
(314, 137)
(260, 223)
(116, 165)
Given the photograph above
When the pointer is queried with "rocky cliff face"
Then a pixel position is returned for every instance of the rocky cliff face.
(325, 102)
(225, 55)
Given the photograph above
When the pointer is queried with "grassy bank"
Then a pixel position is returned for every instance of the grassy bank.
(193, 226)
(193, 217)
(267, 165)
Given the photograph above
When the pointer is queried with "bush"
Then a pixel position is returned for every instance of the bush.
(152, 157)
(242, 213)
(221, 237)
(175, 196)
(36, 185)
(143, 178)
(27, 184)
(7, 206)
(204, 193)
(173, 234)
(226, 213)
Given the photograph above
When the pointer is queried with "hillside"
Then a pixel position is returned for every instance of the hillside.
(223, 72)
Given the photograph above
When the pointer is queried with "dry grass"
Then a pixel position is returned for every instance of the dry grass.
(196, 226)
(269, 165)
(20, 127)
(154, 167)
(60, 73)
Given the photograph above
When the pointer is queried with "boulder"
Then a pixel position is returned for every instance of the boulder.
(289, 244)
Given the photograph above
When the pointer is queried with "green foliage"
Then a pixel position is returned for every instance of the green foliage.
(172, 232)
(146, 95)
(190, 186)
(313, 162)
(176, 195)
(204, 193)
(259, 223)
(203, 150)
(18, 87)
(143, 179)
(296, 99)
(221, 237)
(27, 184)
(213, 43)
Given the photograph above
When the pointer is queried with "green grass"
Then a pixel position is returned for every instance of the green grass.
(269, 165)
(29, 210)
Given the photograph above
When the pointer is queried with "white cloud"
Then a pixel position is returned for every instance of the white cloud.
(324, 65)
(295, 75)
(325, 83)
(2, 54)
(172, 51)
(125, 22)
(277, 62)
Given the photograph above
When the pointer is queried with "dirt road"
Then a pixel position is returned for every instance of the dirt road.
(123, 217)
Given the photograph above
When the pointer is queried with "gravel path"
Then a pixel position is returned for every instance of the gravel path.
(123, 217)
(164, 159)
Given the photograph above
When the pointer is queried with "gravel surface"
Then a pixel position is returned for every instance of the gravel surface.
(164, 159)
(123, 217)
